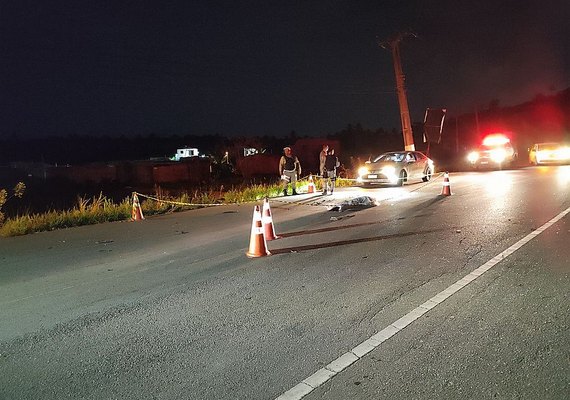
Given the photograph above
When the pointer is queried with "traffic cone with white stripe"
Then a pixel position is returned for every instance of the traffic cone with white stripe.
(311, 184)
(257, 244)
(267, 219)
(136, 214)
(446, 190)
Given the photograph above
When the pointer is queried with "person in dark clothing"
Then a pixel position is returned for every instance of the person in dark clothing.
(289, 170)
(331, 164)
(322, 159)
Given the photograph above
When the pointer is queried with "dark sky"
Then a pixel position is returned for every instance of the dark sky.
(266, 67)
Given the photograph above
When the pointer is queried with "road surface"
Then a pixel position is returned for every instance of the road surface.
(419, 297)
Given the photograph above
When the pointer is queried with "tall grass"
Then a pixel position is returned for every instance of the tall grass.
(86, 212)
(101, 209)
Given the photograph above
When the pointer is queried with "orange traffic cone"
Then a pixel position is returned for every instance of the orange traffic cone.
(136, 214)
(267, 219)
(257, 244)
(446, 190)
(311, 184)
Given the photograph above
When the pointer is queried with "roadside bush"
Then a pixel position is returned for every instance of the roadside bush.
(18, 192)
(101, 209)
(86, 212)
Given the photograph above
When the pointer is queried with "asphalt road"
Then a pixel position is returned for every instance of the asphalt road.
(171, 308)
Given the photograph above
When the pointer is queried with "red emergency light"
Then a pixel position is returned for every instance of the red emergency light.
(495, 139)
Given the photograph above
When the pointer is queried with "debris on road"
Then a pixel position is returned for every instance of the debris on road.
(352, 204)
(339, 218)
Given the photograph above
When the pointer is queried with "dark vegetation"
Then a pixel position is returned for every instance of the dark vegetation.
(545, 118)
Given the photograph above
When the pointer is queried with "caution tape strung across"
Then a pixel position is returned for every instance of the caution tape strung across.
(306, 178)
(433, 178)
(178, 203)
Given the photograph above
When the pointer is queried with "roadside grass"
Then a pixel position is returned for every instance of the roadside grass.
(101, 209)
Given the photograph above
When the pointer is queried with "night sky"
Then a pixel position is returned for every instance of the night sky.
(266, 67)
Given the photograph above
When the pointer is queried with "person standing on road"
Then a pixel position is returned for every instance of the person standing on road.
(322, 159)
(289, 170)
(331, 164)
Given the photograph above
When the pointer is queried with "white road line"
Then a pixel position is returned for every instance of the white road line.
(325, 374)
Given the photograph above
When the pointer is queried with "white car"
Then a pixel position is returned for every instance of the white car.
(545, 153)
(396, 168)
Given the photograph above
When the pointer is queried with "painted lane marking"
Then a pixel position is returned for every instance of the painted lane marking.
(344, 361)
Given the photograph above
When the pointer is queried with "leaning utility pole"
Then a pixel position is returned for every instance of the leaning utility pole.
(394, 45)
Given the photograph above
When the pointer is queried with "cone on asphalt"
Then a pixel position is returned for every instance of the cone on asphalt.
(267, 219)
(257, 244)
(136, 214)
(446, 190)
(311, 184)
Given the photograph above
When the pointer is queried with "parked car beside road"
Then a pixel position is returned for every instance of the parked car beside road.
(551, 152)
(396, 168)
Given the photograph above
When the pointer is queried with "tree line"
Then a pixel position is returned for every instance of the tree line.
(542, 119)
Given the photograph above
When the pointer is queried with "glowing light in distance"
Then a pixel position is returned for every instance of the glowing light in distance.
(363, 171)
(473, 156)
(496, 139)
(564, 153)
(498, 155)
(390, 173)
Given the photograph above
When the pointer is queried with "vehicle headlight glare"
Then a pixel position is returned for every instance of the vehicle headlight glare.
(565, 153)
(498, 156)
(473, 156)
(363, 171)
(388, 171)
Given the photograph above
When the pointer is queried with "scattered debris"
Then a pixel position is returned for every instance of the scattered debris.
(356, 203)
(339, 218)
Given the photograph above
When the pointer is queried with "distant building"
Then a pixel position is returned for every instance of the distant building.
(186, 152)
(249, 151)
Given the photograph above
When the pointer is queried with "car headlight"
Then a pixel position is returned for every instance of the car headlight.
(390, 173)
(498, 156)
(564, 153)
(473, 156)
(363, 171)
